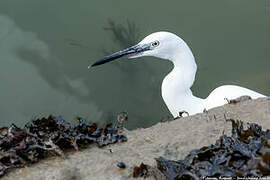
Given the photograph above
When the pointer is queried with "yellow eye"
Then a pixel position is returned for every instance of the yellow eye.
(155, 43)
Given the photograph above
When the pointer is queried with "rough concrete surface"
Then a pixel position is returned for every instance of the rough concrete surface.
(172, 140)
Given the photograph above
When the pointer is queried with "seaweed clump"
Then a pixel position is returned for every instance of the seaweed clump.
(245, 154)
(141, 171)
(43, 137)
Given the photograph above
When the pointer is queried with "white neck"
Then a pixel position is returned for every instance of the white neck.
(176, 85)
(186, 68)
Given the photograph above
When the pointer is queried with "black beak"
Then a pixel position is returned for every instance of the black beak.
(134, 50)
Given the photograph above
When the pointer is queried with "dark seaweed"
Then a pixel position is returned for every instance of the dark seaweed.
(141, 171)
(43, 137)
(246, 154)
(125, 36)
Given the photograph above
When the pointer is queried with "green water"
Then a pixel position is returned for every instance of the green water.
(46, 46)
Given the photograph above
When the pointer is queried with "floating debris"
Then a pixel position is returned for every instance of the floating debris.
(246, 153)
(121, 165)
(50, 136)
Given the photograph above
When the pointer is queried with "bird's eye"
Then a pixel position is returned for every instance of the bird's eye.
(155, 43)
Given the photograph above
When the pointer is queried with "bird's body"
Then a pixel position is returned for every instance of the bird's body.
(182, 99)
(176, 85)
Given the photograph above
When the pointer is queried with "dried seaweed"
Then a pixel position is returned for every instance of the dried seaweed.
(246, 153)
(141, 171)
(50, 136)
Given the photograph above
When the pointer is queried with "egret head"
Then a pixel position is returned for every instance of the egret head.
(160, 44)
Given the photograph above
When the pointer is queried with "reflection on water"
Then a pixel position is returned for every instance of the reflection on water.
(46, 46)
(25, 92)
(124, 36)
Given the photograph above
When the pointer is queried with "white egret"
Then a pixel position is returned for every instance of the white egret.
(176, 85)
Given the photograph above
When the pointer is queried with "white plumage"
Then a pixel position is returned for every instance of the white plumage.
(176, 85)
